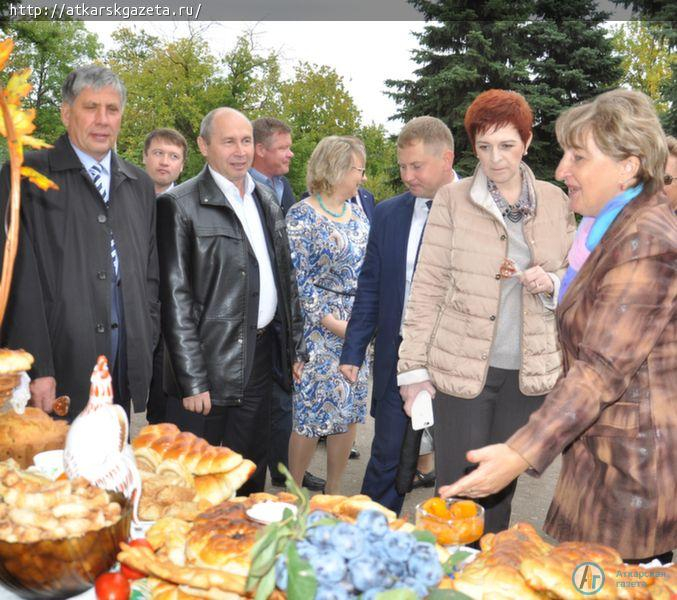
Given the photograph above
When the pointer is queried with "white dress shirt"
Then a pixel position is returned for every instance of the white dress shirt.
(248, 214)
(88, 161)
(418, 221)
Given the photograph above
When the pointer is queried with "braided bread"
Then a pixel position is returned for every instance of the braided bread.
(156, 443)
(495, 572)
(218, 487)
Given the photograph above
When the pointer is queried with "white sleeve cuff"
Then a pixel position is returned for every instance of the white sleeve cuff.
(550, 301)
(415, 376)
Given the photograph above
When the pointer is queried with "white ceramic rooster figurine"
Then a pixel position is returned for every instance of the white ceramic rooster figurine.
(96, 446)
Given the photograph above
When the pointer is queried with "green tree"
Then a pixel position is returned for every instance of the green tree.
(383, 176)
(175, 83)
(570, 58)
(554, 53)
(169, 84)
(315, 104)
(646, 59)
(663, 15)
(52, 50)
(252, 79)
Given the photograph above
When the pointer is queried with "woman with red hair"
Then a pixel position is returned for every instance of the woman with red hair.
(479, 332)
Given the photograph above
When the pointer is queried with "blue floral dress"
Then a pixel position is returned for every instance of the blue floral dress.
(327, 257)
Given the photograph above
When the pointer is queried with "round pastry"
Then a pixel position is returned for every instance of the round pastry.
(14, 361)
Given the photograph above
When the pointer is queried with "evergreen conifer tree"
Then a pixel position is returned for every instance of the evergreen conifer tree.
(554, 53)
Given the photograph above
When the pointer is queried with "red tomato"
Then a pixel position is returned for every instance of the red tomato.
(140, 542)
(112, 586)
(130, 573)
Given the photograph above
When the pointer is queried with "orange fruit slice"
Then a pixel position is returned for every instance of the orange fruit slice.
(463, 509)
(436, 506)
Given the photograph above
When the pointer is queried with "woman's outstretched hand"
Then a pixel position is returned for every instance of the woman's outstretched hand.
(498, 465)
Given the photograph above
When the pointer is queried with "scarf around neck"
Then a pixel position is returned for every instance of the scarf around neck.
(590, 232)
(525, 205)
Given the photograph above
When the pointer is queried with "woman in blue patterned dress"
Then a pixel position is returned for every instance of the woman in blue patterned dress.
(328, 239)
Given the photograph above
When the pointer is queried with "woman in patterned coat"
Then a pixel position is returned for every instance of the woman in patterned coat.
(328, 239)
(613, 413)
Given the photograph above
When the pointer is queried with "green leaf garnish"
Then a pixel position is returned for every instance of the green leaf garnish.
(302, 581)
(456, 558)
(438, 594)
(276, 539)
(423, 535)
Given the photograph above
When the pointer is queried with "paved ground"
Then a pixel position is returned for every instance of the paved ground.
(530, 503)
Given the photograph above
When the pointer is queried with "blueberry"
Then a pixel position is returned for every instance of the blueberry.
(426, 550)
(320, 536)
(316, 516)
(398, 569)
(305, 549)
(329, 566)
(348, 540)
(281, 574)
(398, 545)
(347, 585)
(372, 522)
(428, 572)
(366, 572)
(377, 548)
(331, 593)
(371, 593)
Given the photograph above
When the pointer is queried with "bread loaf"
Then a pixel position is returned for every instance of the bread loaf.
(213, 488)
(24, 436)
(156, 443)
(495, 571)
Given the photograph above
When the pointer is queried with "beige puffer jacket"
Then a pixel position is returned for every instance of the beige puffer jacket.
(451, 314)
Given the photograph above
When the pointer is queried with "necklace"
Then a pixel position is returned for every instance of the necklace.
(338, 215)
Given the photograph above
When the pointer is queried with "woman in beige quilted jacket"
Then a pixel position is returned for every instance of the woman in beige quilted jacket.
(479, 332)
(613, 415)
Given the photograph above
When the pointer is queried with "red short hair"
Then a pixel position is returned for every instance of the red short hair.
(498, 108)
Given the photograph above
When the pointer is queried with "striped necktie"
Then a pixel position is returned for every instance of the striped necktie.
(95, 172)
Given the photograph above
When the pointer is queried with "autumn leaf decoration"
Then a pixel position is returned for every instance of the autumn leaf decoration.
(16, 125)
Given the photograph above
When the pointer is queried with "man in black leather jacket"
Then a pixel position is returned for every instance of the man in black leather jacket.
(229, 298)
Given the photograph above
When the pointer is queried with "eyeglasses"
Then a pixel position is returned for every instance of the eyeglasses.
(669, 180)
(360, 169)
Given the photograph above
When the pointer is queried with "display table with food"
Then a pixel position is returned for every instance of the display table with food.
(69, 529)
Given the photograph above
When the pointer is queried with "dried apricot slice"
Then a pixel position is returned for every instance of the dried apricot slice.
(436, 506)
(463, 509)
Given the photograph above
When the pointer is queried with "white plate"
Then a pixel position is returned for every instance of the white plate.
(268, 511)
(138, 530)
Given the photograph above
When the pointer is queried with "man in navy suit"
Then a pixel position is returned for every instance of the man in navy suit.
(272, 155)
(425, 153)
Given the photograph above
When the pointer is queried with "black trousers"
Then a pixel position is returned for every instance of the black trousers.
(244, 428)
(156, 407)
(281, 425)
(463, 424)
